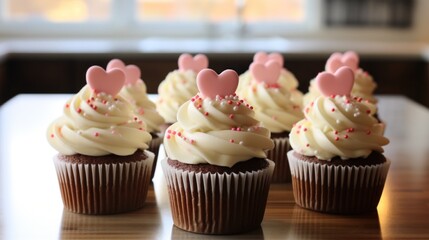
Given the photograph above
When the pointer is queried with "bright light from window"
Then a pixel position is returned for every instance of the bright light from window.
(57, 10)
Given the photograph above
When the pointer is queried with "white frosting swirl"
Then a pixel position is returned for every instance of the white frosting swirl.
(176, 89)
(338, 126)
(144, 108)
(96, 125)
(364, 86)
(274, 107)
(220, 132)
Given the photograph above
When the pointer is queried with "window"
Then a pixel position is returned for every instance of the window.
(148, 17)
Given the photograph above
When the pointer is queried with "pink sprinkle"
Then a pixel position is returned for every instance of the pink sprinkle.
(229, 102)
(333, 96)
(238, 129)
(231, 140)
(336, 132)
(199, 106)
(52, 135)
(242, 101)
(96, 134)
(88, 101)
(192, 141)
(305, 129)
(337, 138)
(238, 103)
(179, 134)
(231, 116)
(348, 101)
(333, 110)
(104, 102)
(206, 113)
(79, 110)
(92, 98)
(169, 131)
(67, 105)
(349, 130)
(297, 132)
(168, 136)
(193, 99)
(346, 136)
(135, 118)
(174, 132)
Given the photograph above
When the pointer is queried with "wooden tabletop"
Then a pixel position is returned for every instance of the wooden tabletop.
(31, 206)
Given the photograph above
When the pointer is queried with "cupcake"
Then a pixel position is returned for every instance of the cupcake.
(276, 110)
(134, 91)
(286, 78)
(179, 86)
(103, 166)
(216, 169)
(364, 84)
(337, 162)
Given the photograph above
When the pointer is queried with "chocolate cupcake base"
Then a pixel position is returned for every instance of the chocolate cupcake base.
(340, 189)
(217, 202)
(104, 185)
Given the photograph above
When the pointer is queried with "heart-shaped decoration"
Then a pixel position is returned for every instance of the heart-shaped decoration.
(196, 64)
(211, 84)
(109, 82)
(132, 72)
(263, 57)
(268, 72)
(340, 83)
(336, 60)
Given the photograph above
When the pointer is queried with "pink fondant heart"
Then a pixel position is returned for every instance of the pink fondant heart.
(336, 60)
(109, 82)
(132, 72)
(211, 84)
(268, 72)
(263, 57)
(196, 64)
(340, 83)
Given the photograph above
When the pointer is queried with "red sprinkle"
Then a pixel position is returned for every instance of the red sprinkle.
(67, 105)
(231, 140)
(337, 138)
(192, 141)
(96, 134)
(251, 107)
(179, 134)
(52, 135)
(336, 132)
(333, 110)
(229, 102)
(368, 111)
(79, 110)
(231, 116)
(168, 136)
(305, 129)
(206, 113)
(346, 136)
(308, 145)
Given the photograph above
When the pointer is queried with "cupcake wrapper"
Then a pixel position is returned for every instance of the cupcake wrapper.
(154, 148)
(214, 203)
(337, 189)
(279, 156)
(104, 188)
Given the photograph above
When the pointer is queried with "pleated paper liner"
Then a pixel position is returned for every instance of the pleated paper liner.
(214, 203)
(104, 188)
(154, 148)
(278, 155)
(337, 189)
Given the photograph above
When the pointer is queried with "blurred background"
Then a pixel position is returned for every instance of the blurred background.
(47, 45)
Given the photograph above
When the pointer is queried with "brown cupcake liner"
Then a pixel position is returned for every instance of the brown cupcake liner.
(104, 188)
(154, 148)
(214, 203)
(337, 189)
(278, 155)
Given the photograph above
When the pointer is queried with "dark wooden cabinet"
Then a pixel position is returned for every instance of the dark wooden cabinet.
(52, 73)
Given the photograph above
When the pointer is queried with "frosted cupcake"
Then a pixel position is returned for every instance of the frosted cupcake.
(276, 110)
(103, 166)
(134, 91)
(286, 79)
(337, 164)
(364, 84)
(179, 86)
(217, 173)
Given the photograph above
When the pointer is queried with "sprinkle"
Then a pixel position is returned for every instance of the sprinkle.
(333, 110)
(308, 145)
(79, 110)
(173, 132)
(67, 105)
(168, 136)
(251, 107)
(52, 135)
(229, 102)
(104, 102)
(333, 96)
(206, 113)
(349, 130)
(368, 132)
(337, 138)
(141, 129)
(336, 132)
(231, 140)
(192, 141)
(346, 136)
(92, 98)
(305, 129)
(368, 111)
(231, 116)
(96, 134)
(88, 101)
(238, 103)
(193, 99)
(169, 131)
(135, 118)
(179, 134)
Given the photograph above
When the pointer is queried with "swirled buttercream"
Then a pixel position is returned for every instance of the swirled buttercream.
(274, 106)
(144, 108)
(177, 88)
(363, 87)
(97, 124)
(338, 126)
(221, 131)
